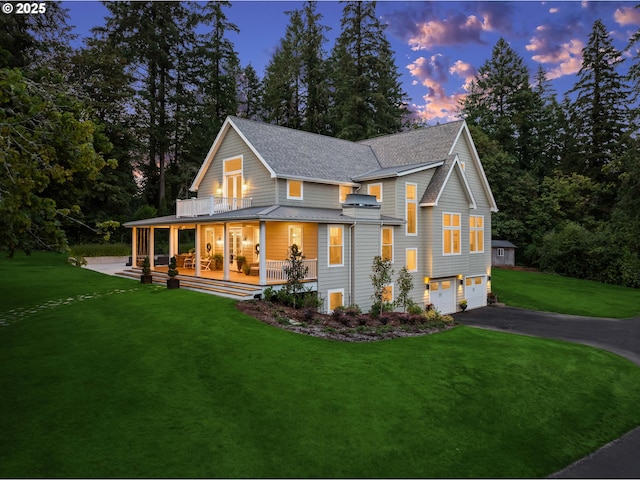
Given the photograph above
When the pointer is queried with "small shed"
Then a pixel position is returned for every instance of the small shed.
(503, 253)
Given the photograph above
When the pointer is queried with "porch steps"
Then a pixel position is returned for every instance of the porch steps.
(236, 291)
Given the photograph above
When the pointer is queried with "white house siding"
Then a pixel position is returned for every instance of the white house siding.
(261, 189)
(331, 278)
(316, 195)
(366, 246)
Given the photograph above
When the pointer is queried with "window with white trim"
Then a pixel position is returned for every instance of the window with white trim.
(500, 252)
(295, 236)
(375, 189)
(451, 233)
(336, 245)
(476, 234)
(411, 208)
(387, 293)
(294, 190)
(232, 183)
(344, 191)
(387, 243)
(336, 298)
(412, 259)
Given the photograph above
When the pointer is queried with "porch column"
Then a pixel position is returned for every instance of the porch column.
(196, 254)
(152, 241)
(262, 262)
(134, 247)
(225, 263)
(173, 241)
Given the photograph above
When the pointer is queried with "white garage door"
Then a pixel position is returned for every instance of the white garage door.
(475, 291)
(442, 294)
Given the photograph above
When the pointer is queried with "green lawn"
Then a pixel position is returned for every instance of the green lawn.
(116, 379)
(554, 293)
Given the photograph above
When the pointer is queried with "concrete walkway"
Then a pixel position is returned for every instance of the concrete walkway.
(620, 458)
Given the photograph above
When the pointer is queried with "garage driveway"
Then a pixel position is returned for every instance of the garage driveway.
(618, 459)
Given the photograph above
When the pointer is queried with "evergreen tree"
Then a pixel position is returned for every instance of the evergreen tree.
(599, 113)
(250, 94)
(367, 98)
(295, 91)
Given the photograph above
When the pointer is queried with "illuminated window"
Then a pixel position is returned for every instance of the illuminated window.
(295, 236)
(387, 294)
(411, 205)
(375, 189)
(387, 244)
(344, 191)
(294, 189)
(451, 233)
(336, 299)
(233, 178)
(476, 234)
(336, 245)
(412, 259)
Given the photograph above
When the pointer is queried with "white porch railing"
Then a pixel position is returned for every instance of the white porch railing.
(210, 205)
(275, 269)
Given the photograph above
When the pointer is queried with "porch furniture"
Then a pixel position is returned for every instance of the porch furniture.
(254, 268)
(188, 262)
(205, 264)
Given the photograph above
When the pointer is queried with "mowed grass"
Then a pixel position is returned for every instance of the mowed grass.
(116, 379)
(554, 293)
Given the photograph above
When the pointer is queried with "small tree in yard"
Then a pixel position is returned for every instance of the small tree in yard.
(295, 271)
(405, 285)
(380, 278)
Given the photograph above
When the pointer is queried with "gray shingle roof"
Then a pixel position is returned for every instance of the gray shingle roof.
(502, 244)
(423, 145)
(298, 154)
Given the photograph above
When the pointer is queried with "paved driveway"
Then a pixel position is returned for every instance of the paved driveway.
(620, 458)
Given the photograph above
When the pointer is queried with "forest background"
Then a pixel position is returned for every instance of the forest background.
(116, 129)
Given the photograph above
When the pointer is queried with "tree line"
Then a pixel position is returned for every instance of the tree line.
(116, 129)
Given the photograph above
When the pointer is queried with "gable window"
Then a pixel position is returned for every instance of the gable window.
(412, 259)
(451, 233)
(344, 191)
(387, 244)
(375, 189)
(336, 245)
(233, 178)
(476, 234)
(411, 207)
(294, 189)
(336, 299)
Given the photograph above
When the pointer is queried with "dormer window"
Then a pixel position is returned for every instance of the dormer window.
(375, 189)
(294, 189)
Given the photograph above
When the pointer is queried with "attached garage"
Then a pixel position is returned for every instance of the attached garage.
(475, 291)
(442, 294)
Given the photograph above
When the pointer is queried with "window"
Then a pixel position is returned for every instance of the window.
(336, 245)
(451, 233)
(375, 189)
(411, 206)
(501, 252)
(476, 234)
(294, 189)
(295, 236)
(344, 191)
(412, 259)
(336, 299)
(387, 294)
(387, 243)
(233, 178)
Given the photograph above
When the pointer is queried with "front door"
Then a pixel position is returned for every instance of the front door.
(235, 243)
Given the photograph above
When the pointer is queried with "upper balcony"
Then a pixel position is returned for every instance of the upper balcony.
(194, 207)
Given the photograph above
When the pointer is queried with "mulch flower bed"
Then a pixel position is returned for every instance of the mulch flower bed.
(344, 327)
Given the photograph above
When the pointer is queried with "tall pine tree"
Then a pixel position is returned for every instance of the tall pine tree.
(367, 97)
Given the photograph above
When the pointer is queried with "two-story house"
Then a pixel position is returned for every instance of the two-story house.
(419, 198)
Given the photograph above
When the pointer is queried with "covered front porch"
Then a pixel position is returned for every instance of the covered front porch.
(252, 252)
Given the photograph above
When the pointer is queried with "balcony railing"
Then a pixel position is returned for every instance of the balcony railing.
(276, 269)
(211, 205)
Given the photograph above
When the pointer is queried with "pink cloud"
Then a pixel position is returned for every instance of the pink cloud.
(437, 104)
(463, 70)
(627, 16)
(565, 57)
(455, 30)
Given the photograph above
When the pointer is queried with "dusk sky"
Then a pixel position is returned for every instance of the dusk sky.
(438, 45)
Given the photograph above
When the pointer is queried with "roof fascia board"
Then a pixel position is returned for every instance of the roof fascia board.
(476, 159)
(373, 176)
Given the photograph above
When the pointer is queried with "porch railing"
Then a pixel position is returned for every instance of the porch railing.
(194, 207)
(275, 269)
